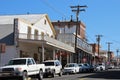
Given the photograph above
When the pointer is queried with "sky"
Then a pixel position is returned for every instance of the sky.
(101, 17)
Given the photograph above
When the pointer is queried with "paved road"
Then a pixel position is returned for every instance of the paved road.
(113, 74)
(104, 75)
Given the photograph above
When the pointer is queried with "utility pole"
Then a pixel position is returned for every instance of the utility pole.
(117, 55)
(77, 9)
(109, 53)
(98, 41)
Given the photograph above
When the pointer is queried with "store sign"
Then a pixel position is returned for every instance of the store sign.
(16, 32)
(2, 48)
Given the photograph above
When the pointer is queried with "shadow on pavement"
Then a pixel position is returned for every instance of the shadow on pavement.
(110, 74)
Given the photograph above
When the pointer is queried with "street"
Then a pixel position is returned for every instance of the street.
(112, 74)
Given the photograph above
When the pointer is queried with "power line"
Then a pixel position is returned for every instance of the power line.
(53, 8)
(112, 40)
(116, 43)
(89, 37)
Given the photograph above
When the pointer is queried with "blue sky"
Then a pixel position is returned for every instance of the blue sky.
(101, 17)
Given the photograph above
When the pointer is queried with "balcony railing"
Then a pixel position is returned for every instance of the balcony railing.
(49, 40)
(105, 55)
(101, 55)
(69, 38)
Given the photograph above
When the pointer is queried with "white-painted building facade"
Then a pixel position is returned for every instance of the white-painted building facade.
(29, 36)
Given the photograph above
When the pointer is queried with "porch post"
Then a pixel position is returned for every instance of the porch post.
(67, 57)
(60, 57)
(54, 54)
(71, 57)
(43, 50)
(78, 56)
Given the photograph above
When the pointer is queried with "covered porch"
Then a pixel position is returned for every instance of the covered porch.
(44, 48)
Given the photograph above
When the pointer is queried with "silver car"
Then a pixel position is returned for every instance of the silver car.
(83, 67)
(100, 67)
(71, 68)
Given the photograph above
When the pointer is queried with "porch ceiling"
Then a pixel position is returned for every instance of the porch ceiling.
(46, 44)
(85, 50)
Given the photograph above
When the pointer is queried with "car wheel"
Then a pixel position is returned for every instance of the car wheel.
(60, 74)
(101, 69)
(53, 74)
(45, 75)
(40, 75)
(24, 76)
(75, 72)
(83, 70)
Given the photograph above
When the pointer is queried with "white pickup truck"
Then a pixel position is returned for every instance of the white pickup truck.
(21, 68)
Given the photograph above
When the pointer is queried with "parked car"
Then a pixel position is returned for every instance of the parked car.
(52, 68)
(100, 67)
(88, 67)
(92, 68)
(82, 67)
(22, 68)
(71, 68)
(111, 66)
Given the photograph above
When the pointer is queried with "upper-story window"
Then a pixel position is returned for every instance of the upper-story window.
(42, 35)
(36, 34)
(45, 22)
(29, 33)
(29, 30)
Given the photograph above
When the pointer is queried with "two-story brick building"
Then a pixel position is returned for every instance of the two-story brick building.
(66, 32)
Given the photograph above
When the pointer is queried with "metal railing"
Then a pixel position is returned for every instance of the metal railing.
(69, 38)
(29, 36)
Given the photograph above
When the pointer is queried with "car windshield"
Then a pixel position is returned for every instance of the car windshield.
(48, 63)
(99, 64)
(17, 62)
(80, 65)
(69, 65)
(86, 65)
